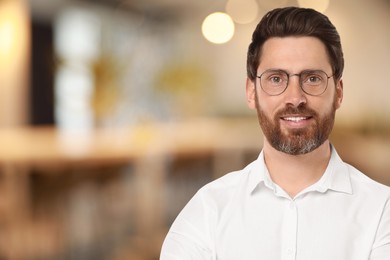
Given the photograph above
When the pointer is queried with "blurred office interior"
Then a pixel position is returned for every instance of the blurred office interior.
(113, 113)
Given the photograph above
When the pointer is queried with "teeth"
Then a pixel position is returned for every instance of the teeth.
(295, 119)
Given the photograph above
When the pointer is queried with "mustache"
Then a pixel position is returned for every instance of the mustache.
(299, 110)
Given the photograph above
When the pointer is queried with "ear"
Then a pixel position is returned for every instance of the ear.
(339, 93)
(250, 93)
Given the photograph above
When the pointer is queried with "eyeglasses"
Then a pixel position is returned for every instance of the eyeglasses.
(312, 82)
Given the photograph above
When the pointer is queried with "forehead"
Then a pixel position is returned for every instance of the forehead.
(294, 54)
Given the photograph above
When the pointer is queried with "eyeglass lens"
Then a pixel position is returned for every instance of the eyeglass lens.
(312, 82)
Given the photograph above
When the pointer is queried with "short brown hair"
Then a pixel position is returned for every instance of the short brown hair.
(294, 21)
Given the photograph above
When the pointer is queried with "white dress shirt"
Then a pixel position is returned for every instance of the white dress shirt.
(244, 215)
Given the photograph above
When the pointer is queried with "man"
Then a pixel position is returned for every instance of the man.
(298, 200)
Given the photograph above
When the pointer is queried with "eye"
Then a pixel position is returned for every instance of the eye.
(276, 77)
(312, 78)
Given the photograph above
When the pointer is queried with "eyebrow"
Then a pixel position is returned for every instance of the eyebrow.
(290, 73)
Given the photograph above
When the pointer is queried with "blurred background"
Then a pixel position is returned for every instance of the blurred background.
(113, 113)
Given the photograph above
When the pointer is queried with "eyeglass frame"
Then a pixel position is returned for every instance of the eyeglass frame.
(300, 81)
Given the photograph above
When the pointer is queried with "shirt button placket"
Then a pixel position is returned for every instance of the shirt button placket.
(289, 232)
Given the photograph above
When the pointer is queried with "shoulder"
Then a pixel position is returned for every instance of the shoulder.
(213, 199)
(225, 184)
(222, 190)
(363, 184)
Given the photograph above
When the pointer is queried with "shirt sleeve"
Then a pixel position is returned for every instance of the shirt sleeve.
(189, 236)
(381, 247)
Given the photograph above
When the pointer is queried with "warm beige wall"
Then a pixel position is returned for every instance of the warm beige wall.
(365, 32)
(14, 62)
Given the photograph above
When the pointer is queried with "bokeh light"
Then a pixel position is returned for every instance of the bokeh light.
(218, 28)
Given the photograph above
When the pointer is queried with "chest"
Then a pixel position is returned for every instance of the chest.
(304, 229)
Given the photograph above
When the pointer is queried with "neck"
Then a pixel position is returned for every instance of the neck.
(294, 173)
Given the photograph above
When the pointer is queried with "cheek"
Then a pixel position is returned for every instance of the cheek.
(269, 105)
(323, 108)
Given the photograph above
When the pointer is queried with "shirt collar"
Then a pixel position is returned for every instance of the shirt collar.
(258, 174)
(336, 176)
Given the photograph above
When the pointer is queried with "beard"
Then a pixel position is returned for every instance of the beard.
(296, 141)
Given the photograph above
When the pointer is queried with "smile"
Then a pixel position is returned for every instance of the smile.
(295, 119)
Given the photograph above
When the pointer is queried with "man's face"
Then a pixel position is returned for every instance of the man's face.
(295, 122)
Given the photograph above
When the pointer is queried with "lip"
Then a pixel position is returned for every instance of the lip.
(296, 121)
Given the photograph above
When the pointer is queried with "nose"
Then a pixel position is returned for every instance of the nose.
(294, 95)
